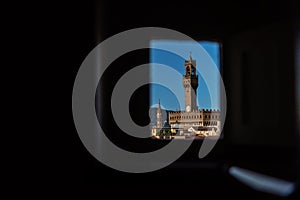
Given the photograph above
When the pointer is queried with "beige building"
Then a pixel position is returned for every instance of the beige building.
(196, 118)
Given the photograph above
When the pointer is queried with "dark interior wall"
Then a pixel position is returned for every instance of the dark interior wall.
(258, 57)
(260, 83)
(297, 74)
(198, 19)
(69, 30)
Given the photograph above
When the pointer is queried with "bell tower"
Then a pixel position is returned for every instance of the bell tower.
(190, 84)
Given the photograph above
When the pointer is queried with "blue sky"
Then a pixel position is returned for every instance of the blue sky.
(167, 98)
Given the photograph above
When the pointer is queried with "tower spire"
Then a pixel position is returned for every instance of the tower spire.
(159, 104)
(159, 116)
(191, 56)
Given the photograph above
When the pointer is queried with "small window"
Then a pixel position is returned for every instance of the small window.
(189, 62)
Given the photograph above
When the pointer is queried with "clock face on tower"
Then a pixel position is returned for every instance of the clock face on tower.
(188, 108)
